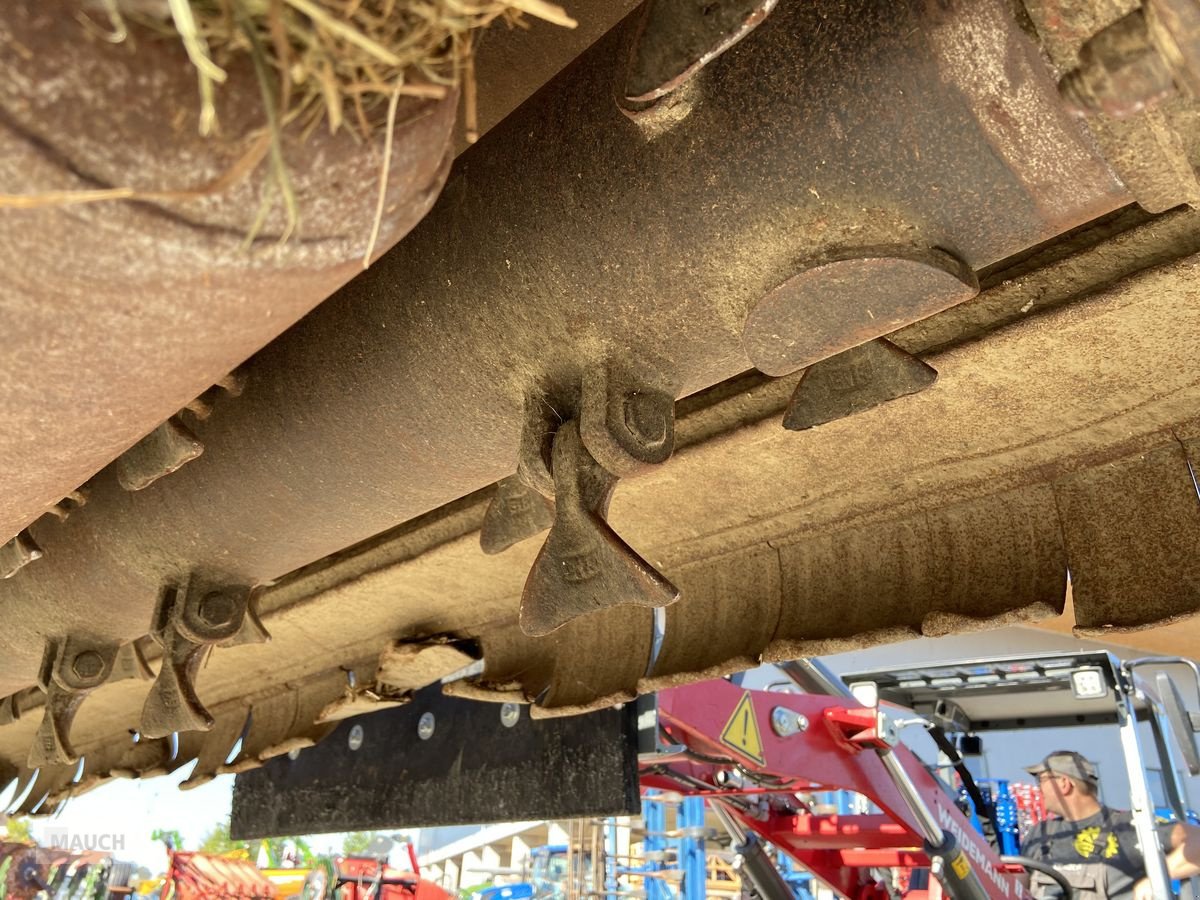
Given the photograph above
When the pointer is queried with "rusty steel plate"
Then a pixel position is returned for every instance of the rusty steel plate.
(804, 319)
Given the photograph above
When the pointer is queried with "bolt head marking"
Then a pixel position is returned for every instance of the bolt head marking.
(580, 567)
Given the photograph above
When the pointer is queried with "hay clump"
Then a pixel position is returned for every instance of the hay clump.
(344, 63)
(337, 61)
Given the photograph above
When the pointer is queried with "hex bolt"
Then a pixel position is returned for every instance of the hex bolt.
(87, 665)
(355, 738)
(425, 726)
(1121, 71)
(786, 722)
(510, 714)
(217, 609)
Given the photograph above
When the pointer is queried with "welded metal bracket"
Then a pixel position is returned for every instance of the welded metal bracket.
(18, 553)
(566, 475)
(167, 448)
(188, 623)
(516, 512)
(72, 668)
(584, 565)
(523, 504)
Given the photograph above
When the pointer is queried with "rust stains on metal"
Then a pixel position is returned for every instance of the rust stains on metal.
(131, 662)
(1137, 61)
(528, 269)
(1071, 359)
(1121, 72)
(1121, 68)
(626, 421)
(515, 513)
(623, 423)
(1005, 78)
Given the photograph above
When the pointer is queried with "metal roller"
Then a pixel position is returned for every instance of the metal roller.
(589, 229)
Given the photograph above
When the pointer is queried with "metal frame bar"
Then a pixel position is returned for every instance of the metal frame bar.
(826, 754)
(1140, 799)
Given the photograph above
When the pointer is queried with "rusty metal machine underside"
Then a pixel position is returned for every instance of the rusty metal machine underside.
(761, 330)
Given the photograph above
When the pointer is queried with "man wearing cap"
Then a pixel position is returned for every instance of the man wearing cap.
(1095, 847)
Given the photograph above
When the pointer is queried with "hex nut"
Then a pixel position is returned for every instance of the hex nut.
(1121, 71)
(216, 609)
(87, 664)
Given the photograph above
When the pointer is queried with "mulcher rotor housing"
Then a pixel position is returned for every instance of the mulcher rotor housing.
(761, 330)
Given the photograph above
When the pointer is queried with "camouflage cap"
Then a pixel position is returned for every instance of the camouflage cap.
(1069, 763)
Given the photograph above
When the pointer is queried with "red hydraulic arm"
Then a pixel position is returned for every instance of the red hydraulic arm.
(737, 743)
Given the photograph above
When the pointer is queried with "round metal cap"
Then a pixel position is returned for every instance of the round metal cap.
(510, 714)
(425, 726)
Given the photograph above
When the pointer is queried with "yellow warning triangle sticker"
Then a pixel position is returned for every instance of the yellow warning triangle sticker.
(741, 731)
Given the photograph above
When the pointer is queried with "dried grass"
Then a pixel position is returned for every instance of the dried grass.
(341, 63)
(330, 57)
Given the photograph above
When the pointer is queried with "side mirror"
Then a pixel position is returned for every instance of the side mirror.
(1184, 724)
